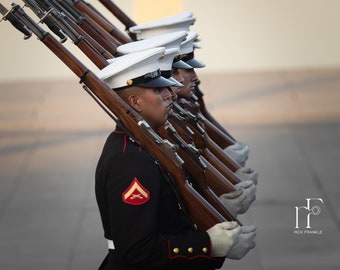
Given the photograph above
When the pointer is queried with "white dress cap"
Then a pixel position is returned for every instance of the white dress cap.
(187, 51)
(135, 69)
(179, 22)
(172, 43)
(166, 65)
(187, 46)
(169, 40)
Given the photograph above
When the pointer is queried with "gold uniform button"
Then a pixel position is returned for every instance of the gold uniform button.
(129, 82)
(205, 250)
(190, 250)
(175, 250)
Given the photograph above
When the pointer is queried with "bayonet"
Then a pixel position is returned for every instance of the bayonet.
(8, 15)
(42, 14)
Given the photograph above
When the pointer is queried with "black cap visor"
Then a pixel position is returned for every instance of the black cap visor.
(181, 64)
(176, 83)
(157, 82)
(195, 63)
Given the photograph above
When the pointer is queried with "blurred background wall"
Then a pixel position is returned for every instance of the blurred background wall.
(237, 35)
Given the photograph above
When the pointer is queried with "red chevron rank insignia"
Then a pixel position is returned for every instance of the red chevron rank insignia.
(136, 194)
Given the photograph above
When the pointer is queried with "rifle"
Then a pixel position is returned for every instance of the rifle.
(203, 215)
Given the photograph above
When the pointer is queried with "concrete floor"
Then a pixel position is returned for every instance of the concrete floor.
(51, 135)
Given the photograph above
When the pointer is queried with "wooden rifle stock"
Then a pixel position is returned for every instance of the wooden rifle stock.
(103, 22)
(102, 36)
(216, 134)
(98, 47)
(202, 213)
(116, 11)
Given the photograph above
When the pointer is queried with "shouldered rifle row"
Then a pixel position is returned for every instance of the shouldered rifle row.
(218, 136)
(202, 213)
(221, 162)
(214, 163)
(218, 182)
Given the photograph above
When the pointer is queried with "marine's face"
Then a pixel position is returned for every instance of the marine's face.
(155, 105)
(177, 76)
(189, 81)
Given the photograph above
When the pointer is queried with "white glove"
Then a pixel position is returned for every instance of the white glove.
(246, 242)
(223, 236)
(246, 173)
(239, 151)
(234, 201)
(249, 189)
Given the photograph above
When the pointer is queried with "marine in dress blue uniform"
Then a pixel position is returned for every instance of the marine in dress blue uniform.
(144, 219)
